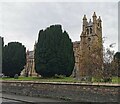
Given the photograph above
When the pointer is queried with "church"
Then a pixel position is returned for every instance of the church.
(29, 68)
(89, 50)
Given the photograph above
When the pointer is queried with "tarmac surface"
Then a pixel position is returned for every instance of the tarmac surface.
(17, 99)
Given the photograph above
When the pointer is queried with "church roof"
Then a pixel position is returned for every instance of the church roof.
(76, 44)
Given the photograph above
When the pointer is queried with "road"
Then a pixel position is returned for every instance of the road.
(5, 101)
(13, 99)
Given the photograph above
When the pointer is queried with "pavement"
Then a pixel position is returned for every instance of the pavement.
(25, 99)
(5, 101)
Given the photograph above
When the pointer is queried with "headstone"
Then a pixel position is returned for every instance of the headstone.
(16, 76)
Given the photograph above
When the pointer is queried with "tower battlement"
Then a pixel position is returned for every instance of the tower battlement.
(90, 45)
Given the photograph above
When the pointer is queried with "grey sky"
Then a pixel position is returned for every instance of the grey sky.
(21, 21)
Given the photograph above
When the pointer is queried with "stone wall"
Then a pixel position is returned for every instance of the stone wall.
(69, 91)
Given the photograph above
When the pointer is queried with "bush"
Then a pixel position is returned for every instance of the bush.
(54, 52)
(95, 79)
(14, 59)
(108, 79)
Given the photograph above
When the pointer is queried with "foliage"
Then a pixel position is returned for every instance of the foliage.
(54, 52)
(102, 80)
(115, 79)
(14, 58)
(1, 48)
(116, 64)
(109, 63)
(108, 55)
(117, 55)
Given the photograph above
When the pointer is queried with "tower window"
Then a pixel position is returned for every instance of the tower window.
(87, 31)
(89, 48)
(89, 39)
(90, 30)
(98, 24)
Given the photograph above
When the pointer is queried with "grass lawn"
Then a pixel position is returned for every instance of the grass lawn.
(116, 80)
(64, 79)
(61, 79)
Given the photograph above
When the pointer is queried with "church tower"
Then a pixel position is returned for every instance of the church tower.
(90, 45)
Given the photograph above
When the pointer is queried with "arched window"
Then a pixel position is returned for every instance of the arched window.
(98, 24)
(89, 39)
(89, 48)
(90, 30)
(87, 31)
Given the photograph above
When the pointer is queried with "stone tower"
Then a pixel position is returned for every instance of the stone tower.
(29, 69)
(91, 49)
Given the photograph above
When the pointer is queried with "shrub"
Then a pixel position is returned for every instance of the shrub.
(14, 59)
(54, 52)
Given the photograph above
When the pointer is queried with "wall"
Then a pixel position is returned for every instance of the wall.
(69, 91)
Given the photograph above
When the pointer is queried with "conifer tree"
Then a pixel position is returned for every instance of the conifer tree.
(14, 58)
(54, 52)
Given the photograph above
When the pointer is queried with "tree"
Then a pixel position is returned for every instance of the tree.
(109, 63)
(1, 49)
(116, 64)
(14, 58)
(54, 52)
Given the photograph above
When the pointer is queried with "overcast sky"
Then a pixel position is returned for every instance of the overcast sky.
(22, 21)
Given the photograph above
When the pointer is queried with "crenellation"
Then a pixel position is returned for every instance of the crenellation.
(89, 41)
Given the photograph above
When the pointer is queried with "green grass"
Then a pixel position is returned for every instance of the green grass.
(65, 79)
(116, 80)
(60, 79)
(20, 78)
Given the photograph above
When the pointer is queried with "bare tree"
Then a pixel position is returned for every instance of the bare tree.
(109, 64)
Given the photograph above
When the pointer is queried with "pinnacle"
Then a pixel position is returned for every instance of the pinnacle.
(99, 19)
(90, 21)
(84, 18)
(94, 14)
